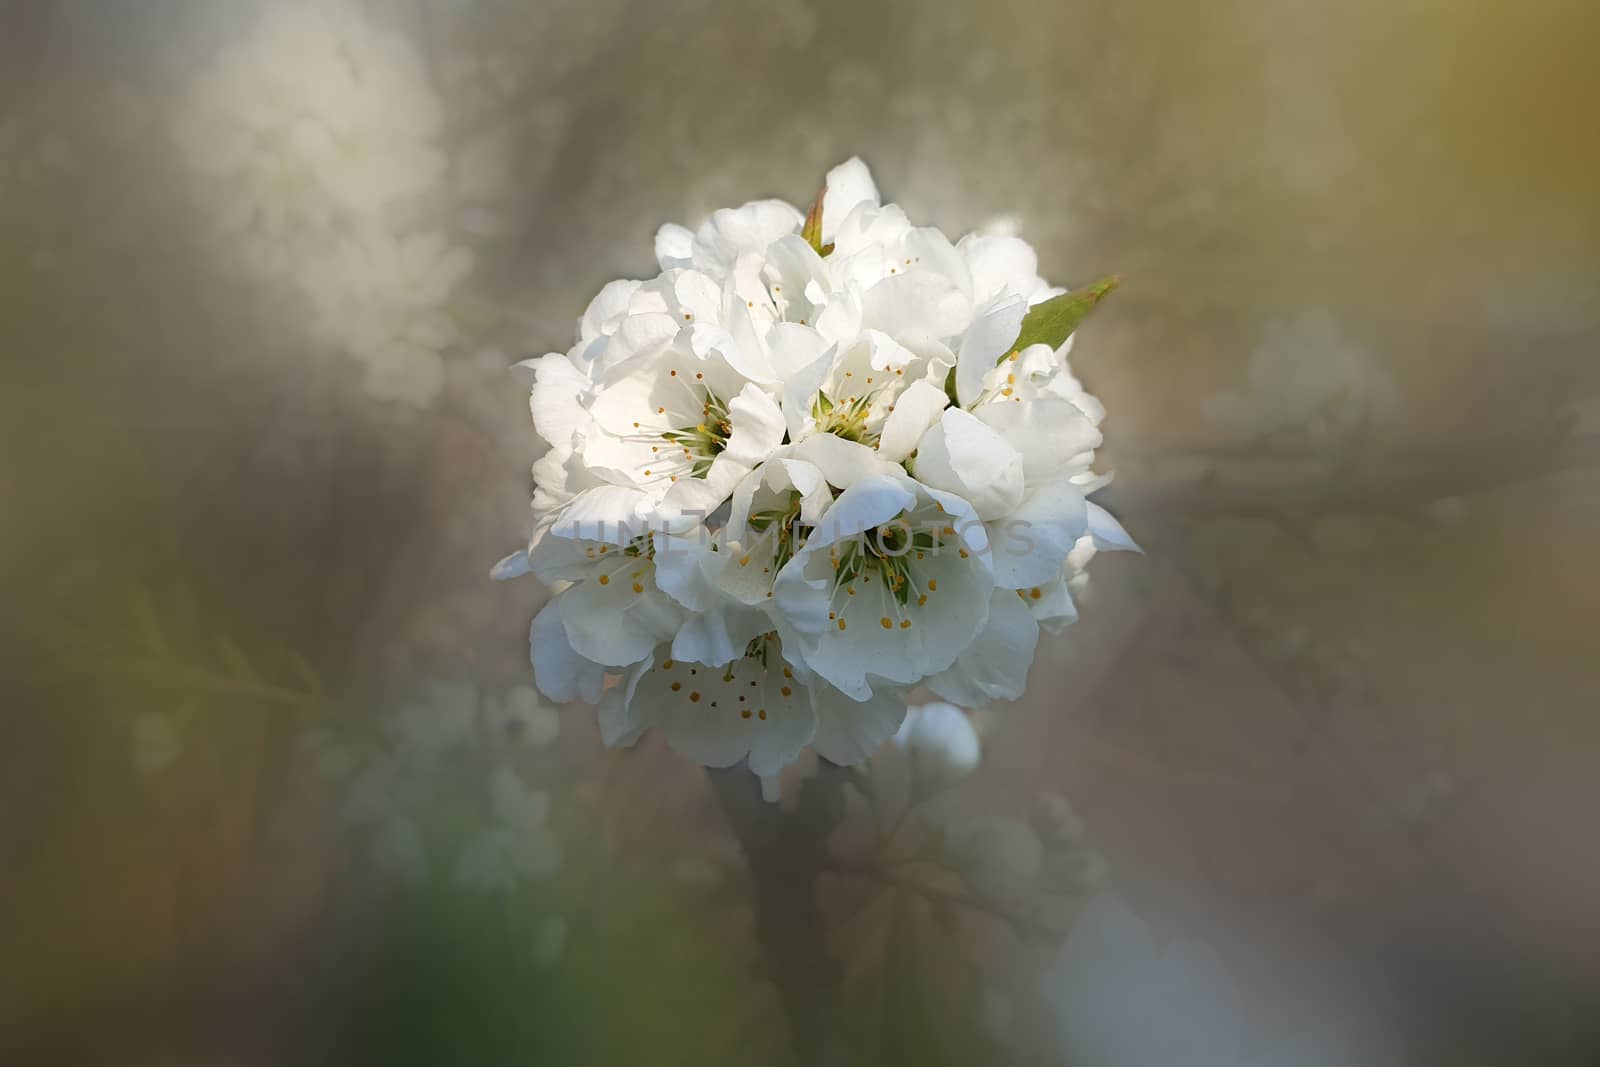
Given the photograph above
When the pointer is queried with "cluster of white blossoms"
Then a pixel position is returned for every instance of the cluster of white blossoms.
(317, 139)
(822, 458)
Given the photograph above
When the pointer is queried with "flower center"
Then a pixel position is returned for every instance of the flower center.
(845, 418)
(786, 519)
(888, 555)
(704, 442)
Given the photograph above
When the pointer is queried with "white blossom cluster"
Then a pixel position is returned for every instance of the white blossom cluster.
(807, 467)
(314, 139)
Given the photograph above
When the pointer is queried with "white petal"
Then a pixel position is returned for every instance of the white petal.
(848, 184)
(718, 715)
(921, 303)
(613, 514)
(1030, 545)
(674, 246)
(1053, 609)
(850, 731)
(513, 566)
(619, 726)
(751, 228)
(719, 635)
(915, 410)
(841, 463)
(995, 666)
(961, 455)
(801, 389)
(757, 429)
(556, 399)
(1001, 265)
(612, 625)
(793, 347)
(1049, 433)
(680, 561)
(607, 309)
(871, 501)
(561, 674)
(798, 278)
(992, 335)
(1108, 534)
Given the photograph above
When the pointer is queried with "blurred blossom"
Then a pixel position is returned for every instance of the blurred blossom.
(319, 142)
(521, 715)
(1308, 382)
(429, 728)
(434, 786)
(904, 789)
(156, 743)
(905, 809)
(319, 118)
(1123, 997)
(516, 846)
(997, 856)
(384, 300)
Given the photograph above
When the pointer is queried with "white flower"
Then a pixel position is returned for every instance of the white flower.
(1307, 380)
(156, 743)
(887, 556)
(802, 470)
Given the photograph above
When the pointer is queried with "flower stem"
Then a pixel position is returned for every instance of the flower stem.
(786, 851)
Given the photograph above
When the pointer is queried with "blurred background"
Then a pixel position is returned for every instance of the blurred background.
(1309, 783)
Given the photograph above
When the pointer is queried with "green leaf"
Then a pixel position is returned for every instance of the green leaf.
(1052, 322)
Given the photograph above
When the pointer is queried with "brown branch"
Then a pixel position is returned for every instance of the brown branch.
(785, 853)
